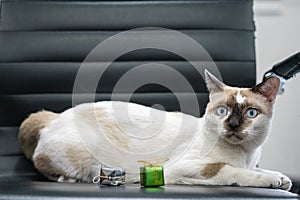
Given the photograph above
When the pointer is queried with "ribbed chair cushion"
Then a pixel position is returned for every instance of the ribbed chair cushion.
(44, 42)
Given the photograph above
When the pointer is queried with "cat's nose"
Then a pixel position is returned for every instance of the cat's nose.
(233, 123)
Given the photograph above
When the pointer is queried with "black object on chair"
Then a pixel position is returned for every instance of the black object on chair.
(285, 70)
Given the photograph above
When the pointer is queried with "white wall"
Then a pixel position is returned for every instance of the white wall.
(277, 37)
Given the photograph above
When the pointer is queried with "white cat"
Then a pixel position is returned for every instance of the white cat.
(222, 148)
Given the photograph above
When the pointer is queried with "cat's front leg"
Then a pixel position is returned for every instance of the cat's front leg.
(223, 174)
(228, 175)
(286, 181)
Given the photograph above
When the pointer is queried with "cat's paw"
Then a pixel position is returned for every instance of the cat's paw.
(276, 181)
(269, 181)
(286, 182)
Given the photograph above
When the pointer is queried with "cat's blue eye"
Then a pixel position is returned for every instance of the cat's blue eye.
(252, 113)
(222, 111)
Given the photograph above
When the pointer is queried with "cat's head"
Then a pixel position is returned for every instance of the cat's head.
(240, 116)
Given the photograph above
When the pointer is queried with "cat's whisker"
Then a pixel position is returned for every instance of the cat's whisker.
(253, 142)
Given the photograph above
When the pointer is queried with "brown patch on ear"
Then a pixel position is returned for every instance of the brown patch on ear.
(268, 88)
(44, 164)
(210, 170)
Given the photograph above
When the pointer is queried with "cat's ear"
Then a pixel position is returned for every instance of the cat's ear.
(268, 88)
(212, 83)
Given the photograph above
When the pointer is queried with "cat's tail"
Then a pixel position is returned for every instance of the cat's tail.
(29, 132)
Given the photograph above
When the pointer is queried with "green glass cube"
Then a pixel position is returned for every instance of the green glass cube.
(152, 176)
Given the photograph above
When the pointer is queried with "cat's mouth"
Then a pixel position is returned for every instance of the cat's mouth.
(234, 137)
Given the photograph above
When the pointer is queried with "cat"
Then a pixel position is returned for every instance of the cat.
(221, 148)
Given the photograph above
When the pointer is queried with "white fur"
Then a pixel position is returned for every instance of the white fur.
(239, 97)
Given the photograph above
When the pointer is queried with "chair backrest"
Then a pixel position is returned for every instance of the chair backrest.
(43, 45)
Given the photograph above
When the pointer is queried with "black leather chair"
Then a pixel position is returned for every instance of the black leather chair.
(42, 46)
